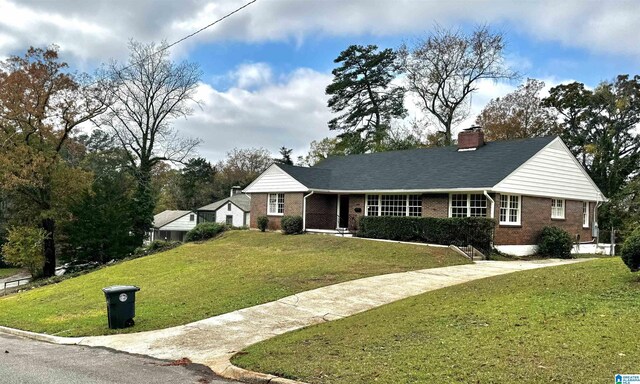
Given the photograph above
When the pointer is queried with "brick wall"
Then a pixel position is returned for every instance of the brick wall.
(435, 205)
(292, 207)
(535, 215)
(356, 202)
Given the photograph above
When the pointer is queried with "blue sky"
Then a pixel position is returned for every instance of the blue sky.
(265, 68)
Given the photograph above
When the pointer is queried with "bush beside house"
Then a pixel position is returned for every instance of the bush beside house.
(263, 223)
(204, 231)
(291, 225)
(555, 242)
(475, 231)
(631, 251)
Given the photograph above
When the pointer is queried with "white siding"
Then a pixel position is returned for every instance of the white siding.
(237, 213)
(552, 172)
(181, 224)
(275, 179)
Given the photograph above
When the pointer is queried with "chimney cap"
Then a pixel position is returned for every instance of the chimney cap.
(473, 128)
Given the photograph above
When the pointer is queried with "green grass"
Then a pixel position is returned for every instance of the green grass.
(196, 281)
(570, 324)
(7, 272)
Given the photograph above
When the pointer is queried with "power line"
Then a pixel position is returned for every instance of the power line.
(187, 36)
(208, 26)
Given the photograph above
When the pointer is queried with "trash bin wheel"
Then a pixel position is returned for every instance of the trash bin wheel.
(129, 323)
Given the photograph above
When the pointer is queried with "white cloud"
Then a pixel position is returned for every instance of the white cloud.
(290, 111)
(98, 30)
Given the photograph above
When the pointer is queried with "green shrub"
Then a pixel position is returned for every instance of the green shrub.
(477, 231)
(291, 225)
(204, 231)
(555, 242)
(24, 248)
(263, 223)
(631, 251)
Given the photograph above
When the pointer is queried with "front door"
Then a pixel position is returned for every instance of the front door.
(343, 221)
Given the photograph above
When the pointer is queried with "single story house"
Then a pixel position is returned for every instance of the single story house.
(172, 225)
(233, 210)
(524, 185)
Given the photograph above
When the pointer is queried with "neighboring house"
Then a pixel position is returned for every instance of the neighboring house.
(172, 225)
(524, 185)
(232, 211)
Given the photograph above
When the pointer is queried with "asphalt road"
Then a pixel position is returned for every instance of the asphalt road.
(25, 361)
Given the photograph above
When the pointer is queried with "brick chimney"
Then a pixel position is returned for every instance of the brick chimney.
(235, 190)
(470, 139)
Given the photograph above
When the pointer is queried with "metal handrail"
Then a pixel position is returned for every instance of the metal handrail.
(4, 289)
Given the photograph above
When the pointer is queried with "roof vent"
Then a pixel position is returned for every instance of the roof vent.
(470, 139)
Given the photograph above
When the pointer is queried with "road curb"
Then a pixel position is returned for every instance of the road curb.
(225, 369)
(42, 336)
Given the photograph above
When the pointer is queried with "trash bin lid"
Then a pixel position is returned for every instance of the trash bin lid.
(120, 288)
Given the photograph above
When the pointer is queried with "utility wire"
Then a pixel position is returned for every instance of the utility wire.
(185, 37)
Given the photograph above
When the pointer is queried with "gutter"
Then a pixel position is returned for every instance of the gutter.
(304, 211)
(493, 203)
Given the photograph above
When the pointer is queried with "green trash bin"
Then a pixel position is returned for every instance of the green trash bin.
(121, 305)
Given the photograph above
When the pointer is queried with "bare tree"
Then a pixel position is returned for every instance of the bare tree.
(518, 115)
(150, 92)
(443, 70)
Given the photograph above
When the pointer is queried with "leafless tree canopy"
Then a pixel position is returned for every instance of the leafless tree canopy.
(150, 91)
(443, 70)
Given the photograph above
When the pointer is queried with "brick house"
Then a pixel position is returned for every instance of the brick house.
(524, 185)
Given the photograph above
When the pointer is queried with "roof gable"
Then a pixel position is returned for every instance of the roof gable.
(274, 179)
(242, 201)
(165, 217)
(553, 171)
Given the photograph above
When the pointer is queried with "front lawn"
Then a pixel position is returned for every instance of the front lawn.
(196, 281)
(8, 272)
(570, 324)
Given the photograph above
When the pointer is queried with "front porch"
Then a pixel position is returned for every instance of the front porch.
(332, 213)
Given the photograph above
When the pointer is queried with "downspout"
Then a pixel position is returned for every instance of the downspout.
(595, 221)
(493, 206)
(304, 212)
(493, 203)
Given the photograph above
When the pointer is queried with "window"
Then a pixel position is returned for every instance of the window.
(229, 220)
(467, 205)
(373, 205)
(276, 204)
(394, 205)
(557, 209)
(192, 217)
(510, 209)
(228, 206)
(206, 217)
(585, 214)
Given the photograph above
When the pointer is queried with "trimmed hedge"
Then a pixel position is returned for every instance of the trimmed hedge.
(631, 251)
(477, 231)
(204, 231)
(291, 225)
(555, 242)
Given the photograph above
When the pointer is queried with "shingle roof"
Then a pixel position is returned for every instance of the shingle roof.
(165, 217)
(242, 201)
(420, 169)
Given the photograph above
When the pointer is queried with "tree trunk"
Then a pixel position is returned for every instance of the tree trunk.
(49, 226)
(144, 205)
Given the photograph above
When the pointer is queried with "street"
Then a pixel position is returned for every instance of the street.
(25, 361)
